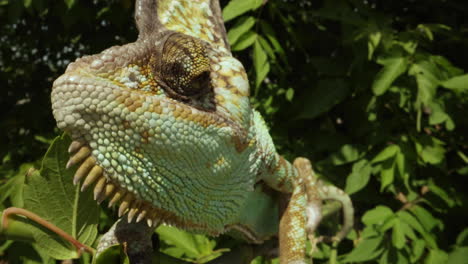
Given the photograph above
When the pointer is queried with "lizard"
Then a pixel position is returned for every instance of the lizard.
(163, 128)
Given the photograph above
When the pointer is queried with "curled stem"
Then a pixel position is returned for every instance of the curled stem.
(80, 247)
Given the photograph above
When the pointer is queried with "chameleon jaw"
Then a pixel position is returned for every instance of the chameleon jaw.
(90, 172)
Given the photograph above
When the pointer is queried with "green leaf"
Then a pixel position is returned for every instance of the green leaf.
(373, 43)
(245, 41)
(408, 231)
(424, 217)
(418, 249)
(377, 216)
(398, 237)
(393, 256)
(426, 30)
(457, 83)
(27, 3)
(431, 150)
(13, 188)
(411, 221)
(387, 174)
(347, 153)
(289, 94)
(393, 68)
(426, 74)
(324, 96)
(442, 194)
(459, 256)
(438, 114)
(387, 153)
(73, 211)
(241, 27)
(417, 225)
(182, 243)
(70, 3)
(367, 249)
(462, 238)
(267, 47)
(437, 256)
(238, 7)
(261, 65)
(359, 177)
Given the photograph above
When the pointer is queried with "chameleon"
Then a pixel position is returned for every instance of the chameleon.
(163, 128)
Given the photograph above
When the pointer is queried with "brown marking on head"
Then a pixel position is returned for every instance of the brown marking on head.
(239, 143)
(144, 137)
(126, 124)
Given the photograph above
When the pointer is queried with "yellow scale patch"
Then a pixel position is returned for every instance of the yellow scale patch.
(193, 18)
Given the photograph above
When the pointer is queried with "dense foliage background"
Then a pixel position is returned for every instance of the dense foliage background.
(373, 92)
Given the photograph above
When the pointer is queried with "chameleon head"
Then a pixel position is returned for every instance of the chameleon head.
(161, 126)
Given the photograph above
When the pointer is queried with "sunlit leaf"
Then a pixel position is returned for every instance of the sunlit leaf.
(347, 153)
(373, 42)
(387, 174)
(241, 27)
(50, 193)
(184, 244)
(432, 151)
(386, 153)
(359, 177)
(437, 256)
(458, 256)
(238, 7)
(377, 215)
(418, 249)
(457, 83)
(427, 220)
(426, 74)
(367, 249)
(245, 41)
(27, 3)
(462, 238)
(261, 64)
(70, 3)
(393, 68)
(398, 237)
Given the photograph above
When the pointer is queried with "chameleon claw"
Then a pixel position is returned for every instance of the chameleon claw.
(83, 153)
(74, 146)
(125, 204)
(131, 214)
(108, 190)
(117, 196)
(84, 169)
(149, 222)
(93, 175)
(141, 215)
(99, 188)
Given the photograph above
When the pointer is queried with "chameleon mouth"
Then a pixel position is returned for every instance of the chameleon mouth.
(91, 173)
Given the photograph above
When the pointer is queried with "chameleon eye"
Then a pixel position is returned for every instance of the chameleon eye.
(185, 67)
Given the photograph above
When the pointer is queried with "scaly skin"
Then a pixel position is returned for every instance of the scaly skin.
(164, 127)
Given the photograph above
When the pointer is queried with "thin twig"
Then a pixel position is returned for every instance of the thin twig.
(80, 247)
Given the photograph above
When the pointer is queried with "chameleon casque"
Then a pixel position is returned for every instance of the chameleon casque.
(164, 128)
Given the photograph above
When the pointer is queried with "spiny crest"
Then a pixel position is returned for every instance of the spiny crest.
(197, 18)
